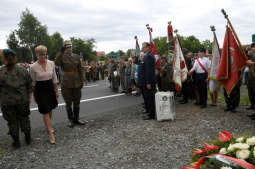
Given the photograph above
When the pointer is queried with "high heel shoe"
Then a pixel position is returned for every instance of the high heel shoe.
(52, 140)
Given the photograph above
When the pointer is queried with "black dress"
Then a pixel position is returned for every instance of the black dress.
(45, 96)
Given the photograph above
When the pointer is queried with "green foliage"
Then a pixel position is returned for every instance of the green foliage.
(161, 45)
(84, 47)
(32, 33)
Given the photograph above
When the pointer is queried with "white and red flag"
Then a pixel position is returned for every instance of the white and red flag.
(153, 48)
(214, 85)
(179, 67)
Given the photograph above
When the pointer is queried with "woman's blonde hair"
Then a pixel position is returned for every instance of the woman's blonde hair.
(40, 48)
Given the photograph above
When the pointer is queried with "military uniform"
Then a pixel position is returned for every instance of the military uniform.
(72, 83)
(122, 76)
(167, 83)
(15, 90)
(251, 81)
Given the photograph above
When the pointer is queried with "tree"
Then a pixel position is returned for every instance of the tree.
(120, 53)
(161, 45)
(56, 42)
(84, 48)
(207, 44)
(31, 32)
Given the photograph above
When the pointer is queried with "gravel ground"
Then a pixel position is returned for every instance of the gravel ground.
(122, 140)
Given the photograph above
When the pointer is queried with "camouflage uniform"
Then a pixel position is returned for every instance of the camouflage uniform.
(72, 83)
(15, 88)
(167, 83)
(251, 81)
(122, 76)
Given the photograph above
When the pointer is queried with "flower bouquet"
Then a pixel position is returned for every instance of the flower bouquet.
(226, 152)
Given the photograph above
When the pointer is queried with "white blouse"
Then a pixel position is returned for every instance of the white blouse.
(205, 62)
(37, 73)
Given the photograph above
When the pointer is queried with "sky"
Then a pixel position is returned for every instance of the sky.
(114, 23)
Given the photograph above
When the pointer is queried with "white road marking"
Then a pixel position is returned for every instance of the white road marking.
(86, 100)
(85, 86)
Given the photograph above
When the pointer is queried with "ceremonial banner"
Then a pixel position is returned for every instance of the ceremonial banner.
(179, 67)
(214, 85)
(137, 48)
(232, 60)
(153, 48)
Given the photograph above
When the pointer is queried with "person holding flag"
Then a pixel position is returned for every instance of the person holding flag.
(214, 85)
(201, 67)
(233, 60)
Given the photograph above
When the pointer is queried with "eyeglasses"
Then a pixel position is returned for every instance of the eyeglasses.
(42, 54)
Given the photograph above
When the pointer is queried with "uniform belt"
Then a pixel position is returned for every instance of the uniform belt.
(70, 73)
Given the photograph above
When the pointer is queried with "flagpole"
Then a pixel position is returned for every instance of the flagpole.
(214, 34)
(230, 24)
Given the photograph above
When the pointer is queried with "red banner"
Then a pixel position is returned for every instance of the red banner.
(232, 60)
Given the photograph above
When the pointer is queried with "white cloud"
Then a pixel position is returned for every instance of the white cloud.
(114, 23)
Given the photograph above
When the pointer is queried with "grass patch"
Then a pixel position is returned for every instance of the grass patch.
(244, 100)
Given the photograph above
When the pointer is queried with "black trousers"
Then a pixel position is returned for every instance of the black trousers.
(202, 87)
(149, 100)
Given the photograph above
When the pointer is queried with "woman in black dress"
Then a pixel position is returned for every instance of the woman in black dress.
(45, 84)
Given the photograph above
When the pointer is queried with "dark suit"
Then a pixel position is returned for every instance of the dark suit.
(147, 73)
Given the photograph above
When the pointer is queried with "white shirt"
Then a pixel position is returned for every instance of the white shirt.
(38, 74)
(205, 62)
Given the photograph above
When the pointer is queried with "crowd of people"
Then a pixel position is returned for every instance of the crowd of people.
(19, 82)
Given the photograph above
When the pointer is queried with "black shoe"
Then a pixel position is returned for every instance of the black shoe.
(184, 102)
(233, 110)
(79, 122)
(250, 108)
(203, 106)
(28, 138)
(251, 115)
(70, 124)
(148, 118)
(16, 142)
(227, 109)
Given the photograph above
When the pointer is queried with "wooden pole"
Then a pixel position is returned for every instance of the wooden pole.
(230, 24)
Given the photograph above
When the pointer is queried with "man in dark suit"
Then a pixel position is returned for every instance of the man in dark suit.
(148, 81)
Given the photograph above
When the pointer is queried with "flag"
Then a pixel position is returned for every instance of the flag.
(137, 49)
(170, 33)
(214, 85)
(153, 49)
(179, 67)
(232, 60)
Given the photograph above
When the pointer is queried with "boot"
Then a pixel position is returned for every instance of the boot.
(28, 138)
(76, 117)
(16, 142)
(70, 117)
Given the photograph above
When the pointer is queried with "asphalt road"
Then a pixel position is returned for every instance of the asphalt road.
(97, 98)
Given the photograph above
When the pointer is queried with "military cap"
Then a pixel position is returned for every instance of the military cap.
(202, 50)
(7, 52)
(67, 43)
(252, 44)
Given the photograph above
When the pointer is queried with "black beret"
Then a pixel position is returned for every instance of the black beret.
(7, 52)
(252, 44)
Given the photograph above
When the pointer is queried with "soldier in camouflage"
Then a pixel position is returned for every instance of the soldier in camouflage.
(251, 79)
(72, 82)
(15, 97)
(167, 83)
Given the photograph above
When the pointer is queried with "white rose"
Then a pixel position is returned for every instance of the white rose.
(223, 151)
(225, 168)
(243, 154)
(231, 148)
(240, 139)
(251, 141)
(242, 146)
